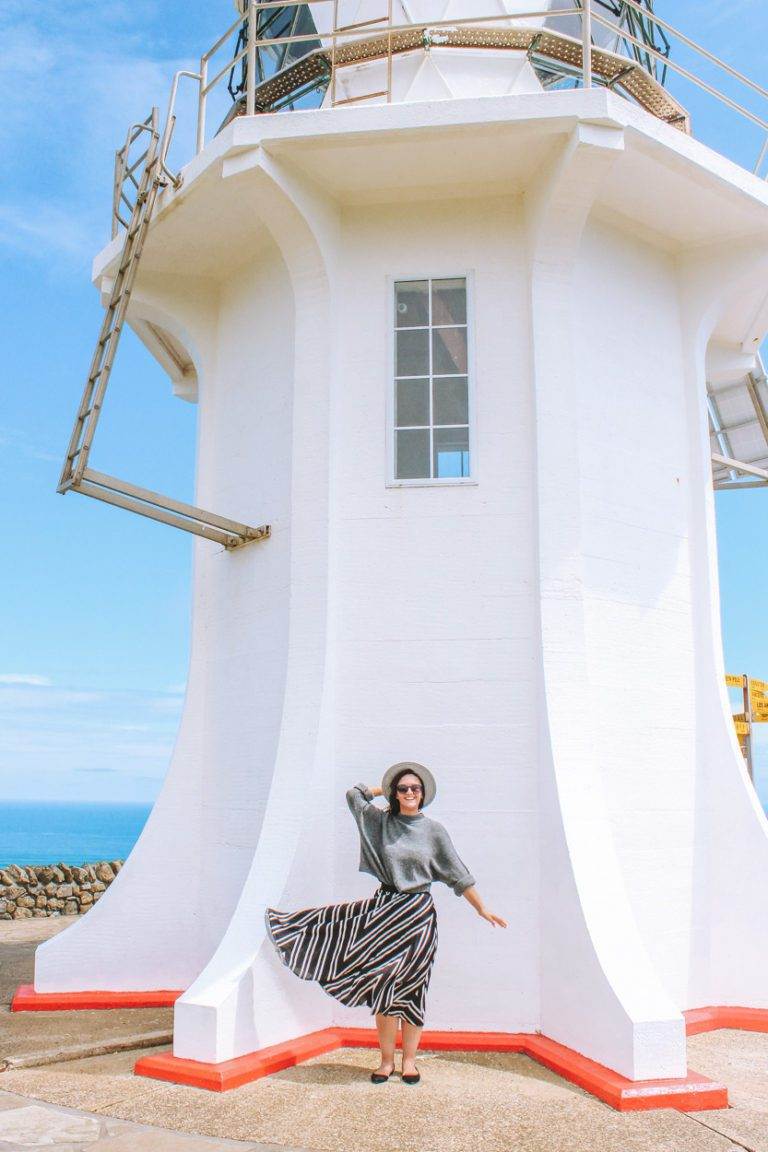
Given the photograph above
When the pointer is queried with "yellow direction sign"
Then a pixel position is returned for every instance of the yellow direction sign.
(742, 729)
(734, 681)
(760, 686)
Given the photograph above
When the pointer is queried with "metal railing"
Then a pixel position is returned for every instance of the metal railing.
(338, 42)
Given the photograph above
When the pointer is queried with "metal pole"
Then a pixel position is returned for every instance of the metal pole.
(586, 42)
(761, 157)
(116, 189)
(202, 97)
(333, 52)
(389, 52)
(250, 77)
(748, 737)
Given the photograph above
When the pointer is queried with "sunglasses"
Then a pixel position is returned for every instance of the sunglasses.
(403, 788)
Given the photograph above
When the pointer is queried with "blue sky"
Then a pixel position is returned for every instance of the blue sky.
(94, 639)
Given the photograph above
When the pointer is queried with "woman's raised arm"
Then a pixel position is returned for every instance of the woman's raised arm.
(360, 799)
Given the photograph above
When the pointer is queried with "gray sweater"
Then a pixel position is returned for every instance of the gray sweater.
(406, 852)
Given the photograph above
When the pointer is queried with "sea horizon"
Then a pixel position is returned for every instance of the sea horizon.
(44, 832)
(40, 832)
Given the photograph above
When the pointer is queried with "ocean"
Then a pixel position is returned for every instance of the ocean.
(35, 832)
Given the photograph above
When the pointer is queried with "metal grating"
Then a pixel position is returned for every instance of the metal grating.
(614, 70)
(738, 431)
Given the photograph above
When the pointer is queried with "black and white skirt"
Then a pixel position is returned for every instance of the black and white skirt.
(378, 951)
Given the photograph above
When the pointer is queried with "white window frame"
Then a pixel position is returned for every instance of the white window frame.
(431, 481)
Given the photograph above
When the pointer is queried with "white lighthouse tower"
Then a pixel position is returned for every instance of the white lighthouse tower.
(452, 288)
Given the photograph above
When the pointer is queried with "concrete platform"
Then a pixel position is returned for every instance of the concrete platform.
(25, 1124)
(40, 1037)
(18, 940)
(465, 1102)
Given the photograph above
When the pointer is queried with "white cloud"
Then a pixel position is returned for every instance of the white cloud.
(37, 226)
(60, 742)
(716, 12)
(13, 440)
(25, 678)
(170, 704)
(38, 695)
(94, 68)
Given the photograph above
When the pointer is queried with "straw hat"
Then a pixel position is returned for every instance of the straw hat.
(430, 788)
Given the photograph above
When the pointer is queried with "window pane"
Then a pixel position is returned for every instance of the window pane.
(451, 451)
(413, 353)
(450, 400)
(304, 26)
(411, 303)
(413, 403)
(449, 301)
(412, 455)
(449, 350)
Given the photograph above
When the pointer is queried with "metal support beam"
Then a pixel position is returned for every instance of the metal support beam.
(727, 486)
(250, 74)
(757, 404)
(717, 427)
(231, 533)
(740, 466)
(586, 42)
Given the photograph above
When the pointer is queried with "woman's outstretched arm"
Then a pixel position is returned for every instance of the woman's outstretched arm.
(476, 901)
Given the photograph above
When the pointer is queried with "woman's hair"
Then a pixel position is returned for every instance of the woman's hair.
(394, 803)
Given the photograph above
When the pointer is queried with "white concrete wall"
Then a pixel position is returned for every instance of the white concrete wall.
(206, 822)
(433, 591)
(635, 482)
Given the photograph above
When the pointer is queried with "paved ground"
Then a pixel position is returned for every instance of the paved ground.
(25, 1124)
(465, 1102)
(18, 939)
(28, 1037)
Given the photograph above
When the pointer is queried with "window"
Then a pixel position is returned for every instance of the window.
(431, 385)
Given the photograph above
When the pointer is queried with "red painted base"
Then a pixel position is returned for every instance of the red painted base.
(709, 1019)
(27, 1000)
(690, 1093)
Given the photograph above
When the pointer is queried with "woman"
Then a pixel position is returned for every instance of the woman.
(379, 951)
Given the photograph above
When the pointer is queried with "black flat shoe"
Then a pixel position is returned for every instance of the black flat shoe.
(410, 1077)
(379, 1078)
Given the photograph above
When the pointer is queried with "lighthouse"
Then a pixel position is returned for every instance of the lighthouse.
(453, 290)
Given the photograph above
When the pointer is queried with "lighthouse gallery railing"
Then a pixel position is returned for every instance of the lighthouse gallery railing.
(578, 58)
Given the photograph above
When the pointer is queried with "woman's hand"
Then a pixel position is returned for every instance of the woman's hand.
(473, 896)
(376, 791)
(492, 917)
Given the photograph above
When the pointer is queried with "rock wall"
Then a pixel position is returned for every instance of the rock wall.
(53, 889)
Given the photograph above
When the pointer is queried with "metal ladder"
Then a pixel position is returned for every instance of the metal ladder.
(76, 476)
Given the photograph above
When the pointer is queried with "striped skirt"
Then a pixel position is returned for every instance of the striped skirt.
(378, 951)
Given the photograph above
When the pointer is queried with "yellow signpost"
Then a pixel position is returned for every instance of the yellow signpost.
(755, 711)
